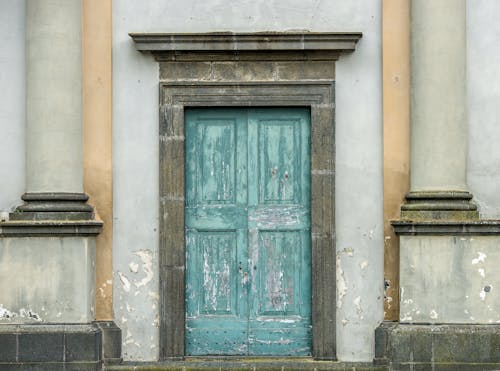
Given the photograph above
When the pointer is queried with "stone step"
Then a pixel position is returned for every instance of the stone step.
(245, 365)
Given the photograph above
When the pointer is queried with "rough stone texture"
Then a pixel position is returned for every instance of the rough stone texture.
(47, 279)
(450, 279)
(438, 347)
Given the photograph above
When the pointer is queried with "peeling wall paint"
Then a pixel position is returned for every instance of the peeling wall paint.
(6, 314)
(137, 314)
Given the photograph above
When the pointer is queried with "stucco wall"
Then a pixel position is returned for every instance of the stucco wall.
(12, 103)
(358, 147)
(483, 90)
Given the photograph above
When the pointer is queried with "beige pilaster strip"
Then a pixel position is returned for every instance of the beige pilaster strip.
(97, 139)
(396, 106)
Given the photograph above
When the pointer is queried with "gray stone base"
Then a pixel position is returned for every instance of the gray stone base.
(439, 205)
(50, 347)
(111, 342)
(437, 347)
(53, 206)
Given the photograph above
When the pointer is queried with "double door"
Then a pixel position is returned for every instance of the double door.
(248, 258)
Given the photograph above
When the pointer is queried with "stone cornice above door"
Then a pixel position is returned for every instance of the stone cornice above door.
(246, 46)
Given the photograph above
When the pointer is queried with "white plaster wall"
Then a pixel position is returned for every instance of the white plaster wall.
(359, 210)
(12, 103)
(483, 94)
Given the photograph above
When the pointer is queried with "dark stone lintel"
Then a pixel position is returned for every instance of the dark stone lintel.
(246, 46)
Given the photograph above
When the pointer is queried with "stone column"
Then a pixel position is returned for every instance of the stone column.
(438, 112)
(54, 168)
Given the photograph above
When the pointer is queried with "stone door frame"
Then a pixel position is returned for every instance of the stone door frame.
(174, 98)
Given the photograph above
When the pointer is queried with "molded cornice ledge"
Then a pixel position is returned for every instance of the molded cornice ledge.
(326, 43)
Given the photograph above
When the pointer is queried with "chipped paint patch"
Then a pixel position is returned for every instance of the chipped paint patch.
(481, 272)
(357, 304)
(146, 257)
(6, 314)
(125, 282)
(134, 267)
(341, 283)
(481, 257)
(363, 264)
(433, 314)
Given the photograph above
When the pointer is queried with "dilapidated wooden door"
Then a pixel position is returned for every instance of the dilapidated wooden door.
(248, 258)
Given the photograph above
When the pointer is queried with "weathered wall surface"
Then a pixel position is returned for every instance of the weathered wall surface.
(55, 291)
(12, 104)
(358, 149)
(450, 279)
(483, 90)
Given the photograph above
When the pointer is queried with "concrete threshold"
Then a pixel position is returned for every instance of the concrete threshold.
(246, 364)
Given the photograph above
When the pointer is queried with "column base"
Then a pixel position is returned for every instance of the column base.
(437, 347)
(50, 347)
(53, 206)
(439, 205)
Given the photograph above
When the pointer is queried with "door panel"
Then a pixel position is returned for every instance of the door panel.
(248, 232)
(216, 232)
(279, 232)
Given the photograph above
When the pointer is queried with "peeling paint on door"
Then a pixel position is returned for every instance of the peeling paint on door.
(248, 232)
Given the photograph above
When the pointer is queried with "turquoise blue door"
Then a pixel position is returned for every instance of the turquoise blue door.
(248, 258)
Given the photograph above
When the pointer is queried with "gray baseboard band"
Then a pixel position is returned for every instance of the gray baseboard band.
(426, 347)
(50, 346)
